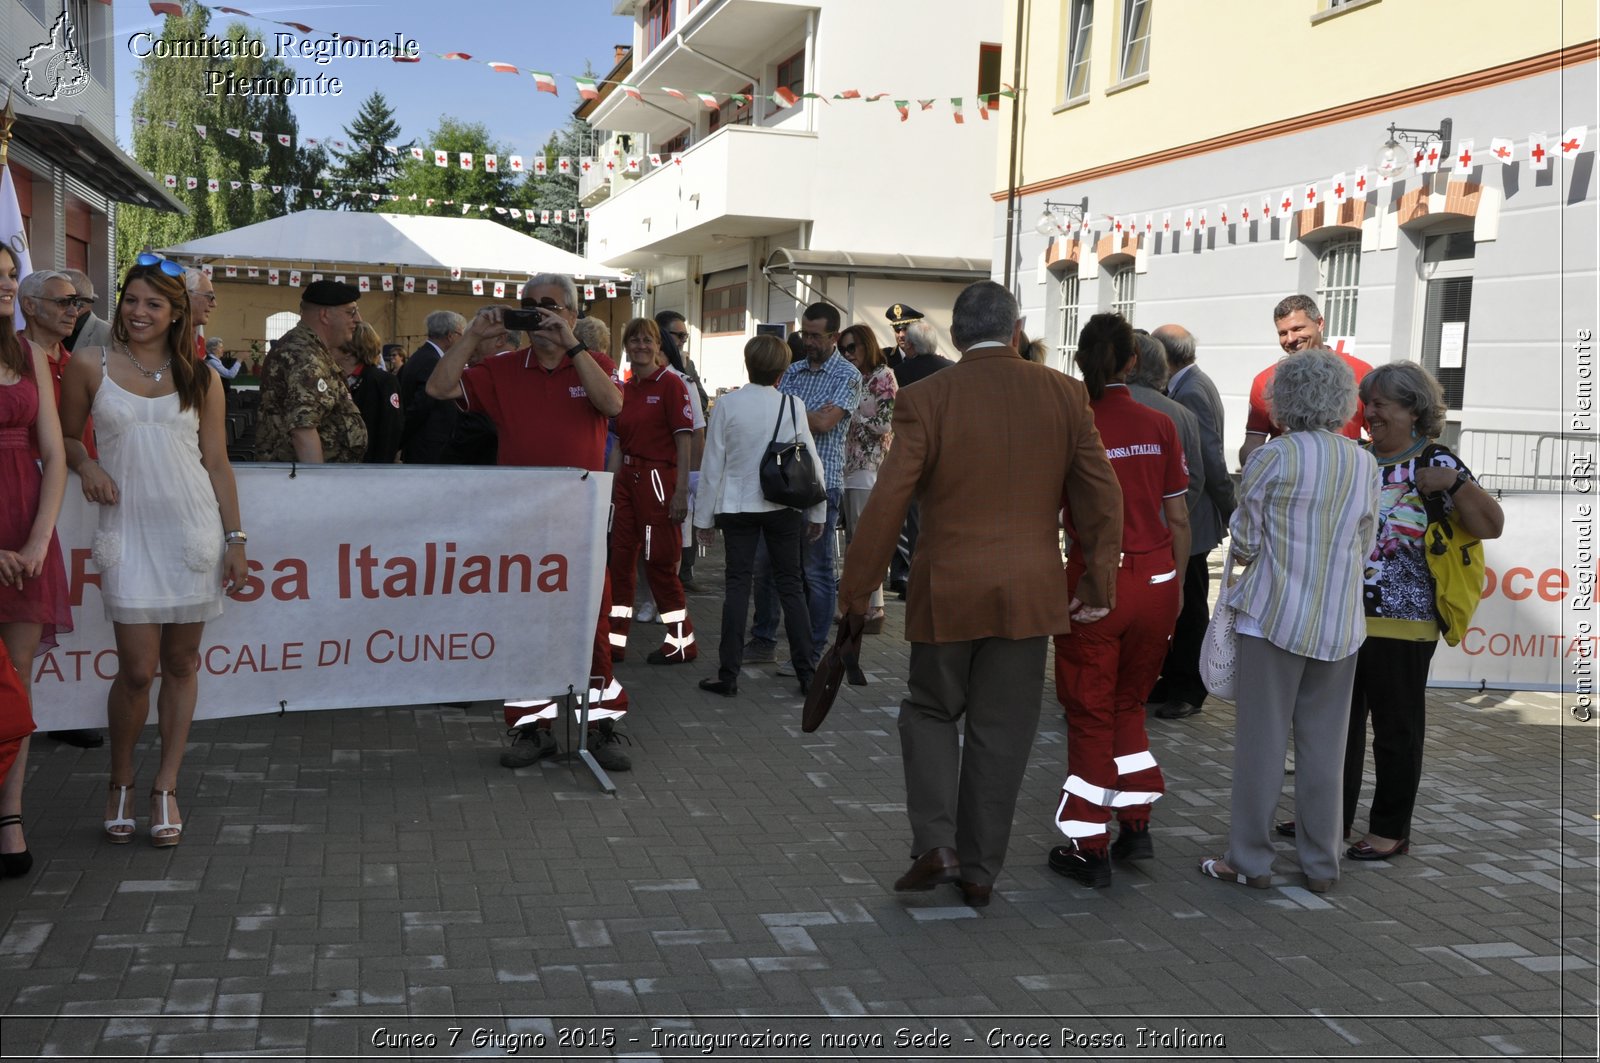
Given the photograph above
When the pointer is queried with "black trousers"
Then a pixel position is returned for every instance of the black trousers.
(783, 532)
(900, 562)
(1391, 687)
(1180, 672)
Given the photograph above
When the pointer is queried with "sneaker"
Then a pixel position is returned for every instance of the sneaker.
(1133, 845)
(1092, 869)
(760, 651)
(602, 745)
(532, 745)
(646, 613)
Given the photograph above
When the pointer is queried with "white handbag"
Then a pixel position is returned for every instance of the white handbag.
(1219, 651)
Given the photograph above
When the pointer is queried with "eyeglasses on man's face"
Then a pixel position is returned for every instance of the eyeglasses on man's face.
(543, 304)
(210, 297)
(681, 337)
(83, 302)
(63, 302)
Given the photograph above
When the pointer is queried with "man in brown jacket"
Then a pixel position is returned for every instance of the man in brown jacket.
(991, 448)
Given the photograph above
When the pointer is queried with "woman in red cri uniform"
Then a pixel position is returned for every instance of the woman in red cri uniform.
(1104, 669)
(651, 493)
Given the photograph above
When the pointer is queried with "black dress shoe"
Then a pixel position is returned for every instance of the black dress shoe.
(85, 738)
(974, 895)
(719, 686)
(933, 868)
(1177, 710)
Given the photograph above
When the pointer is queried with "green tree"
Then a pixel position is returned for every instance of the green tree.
(169, 105)
(558, 192)
(367, 165)
(420, 180)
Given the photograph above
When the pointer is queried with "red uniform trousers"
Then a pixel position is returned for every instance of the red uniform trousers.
(1103, 671)
(641, 519)
(607, 699)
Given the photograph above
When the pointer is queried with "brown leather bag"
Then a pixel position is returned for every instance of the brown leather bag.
(844, 654)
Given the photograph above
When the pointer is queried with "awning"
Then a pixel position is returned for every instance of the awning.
(73, 144)
(871, 264)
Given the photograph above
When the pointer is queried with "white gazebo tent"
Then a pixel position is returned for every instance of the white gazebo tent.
(453, 251)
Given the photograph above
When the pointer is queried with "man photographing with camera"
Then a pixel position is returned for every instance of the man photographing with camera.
(550, 402)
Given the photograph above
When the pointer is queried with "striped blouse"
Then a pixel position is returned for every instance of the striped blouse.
(1306, 520)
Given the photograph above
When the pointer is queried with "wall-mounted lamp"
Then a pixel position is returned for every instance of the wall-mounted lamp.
(1393, 159)
(1058, 218)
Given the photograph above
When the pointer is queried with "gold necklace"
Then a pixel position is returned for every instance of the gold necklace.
(156, 376)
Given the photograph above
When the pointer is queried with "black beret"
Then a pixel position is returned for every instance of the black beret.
(330, 293)
(900, 313)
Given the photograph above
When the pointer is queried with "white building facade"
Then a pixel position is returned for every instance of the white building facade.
(760, 207)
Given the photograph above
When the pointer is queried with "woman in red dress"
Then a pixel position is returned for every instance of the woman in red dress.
(33, 581)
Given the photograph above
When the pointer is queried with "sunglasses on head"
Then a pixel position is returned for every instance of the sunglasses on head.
(169, 267)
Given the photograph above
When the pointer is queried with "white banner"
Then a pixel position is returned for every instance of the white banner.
(371, 585)
(1524, 635)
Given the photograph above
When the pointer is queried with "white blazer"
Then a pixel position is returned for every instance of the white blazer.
(736, 439)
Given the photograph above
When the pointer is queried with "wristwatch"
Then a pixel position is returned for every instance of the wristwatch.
(1462, 476)
(575, 350)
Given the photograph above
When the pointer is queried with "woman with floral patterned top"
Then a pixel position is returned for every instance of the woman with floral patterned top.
(869, 437)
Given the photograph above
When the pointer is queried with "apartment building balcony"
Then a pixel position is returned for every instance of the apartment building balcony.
(741, 182)
(716, 47)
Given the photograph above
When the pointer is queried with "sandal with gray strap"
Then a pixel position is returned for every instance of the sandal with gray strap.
(1217, 868)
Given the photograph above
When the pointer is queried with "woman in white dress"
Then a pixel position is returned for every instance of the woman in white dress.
(169, 543)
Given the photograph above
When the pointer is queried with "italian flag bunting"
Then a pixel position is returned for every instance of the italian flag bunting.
(674, 93)
(586, 88)
(630, 91)
(707, 100)
(955, 109)
(544, 82)
(904, 107)
(502, 68)
(784, 97)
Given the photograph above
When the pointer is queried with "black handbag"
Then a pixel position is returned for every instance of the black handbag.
(788, 476)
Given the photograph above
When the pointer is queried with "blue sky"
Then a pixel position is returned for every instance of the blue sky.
(531, 34)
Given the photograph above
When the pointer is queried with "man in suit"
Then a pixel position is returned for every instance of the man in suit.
(430, 424)
(988, 587)
(90, 330)
(1179, 692)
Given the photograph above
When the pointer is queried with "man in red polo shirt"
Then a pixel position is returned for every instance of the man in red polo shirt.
(550, 402)
(1299, 325)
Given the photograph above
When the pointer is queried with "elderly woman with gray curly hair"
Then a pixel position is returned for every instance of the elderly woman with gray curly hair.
(1307, 510)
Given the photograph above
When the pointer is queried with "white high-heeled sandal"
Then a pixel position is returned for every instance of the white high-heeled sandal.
(114, 835)
(157, 838)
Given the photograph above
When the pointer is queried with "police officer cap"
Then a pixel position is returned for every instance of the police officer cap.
(900, 314)
(330, 293)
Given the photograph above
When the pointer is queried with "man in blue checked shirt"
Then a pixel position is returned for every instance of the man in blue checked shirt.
(830, 387)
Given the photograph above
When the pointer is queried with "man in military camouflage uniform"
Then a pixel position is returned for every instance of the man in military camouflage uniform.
(307, 414)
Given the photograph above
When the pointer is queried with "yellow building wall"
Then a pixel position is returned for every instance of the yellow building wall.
(1220, 66)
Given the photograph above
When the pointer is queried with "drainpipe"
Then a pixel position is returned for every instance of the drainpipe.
(811, 68)
(1016, 144)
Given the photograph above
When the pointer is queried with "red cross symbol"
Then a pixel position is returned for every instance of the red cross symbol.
(1287, 203)
(610, 165)
(1361, 183)
(1433, 156)
(1502, 152)
(1119, 225)
(585, 165)
(1338, 189)
(1416, 160)
(1166, 225)
(1464, 160)
(1246, 214)
(1224, 217)
(1187, 222)
(1537, 152)
(1569, 146)
(1311, 193)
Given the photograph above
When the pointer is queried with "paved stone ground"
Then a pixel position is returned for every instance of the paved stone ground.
(358, 882)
